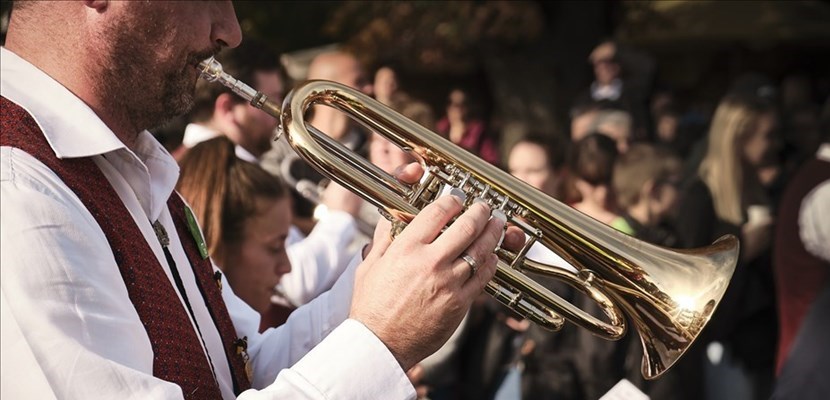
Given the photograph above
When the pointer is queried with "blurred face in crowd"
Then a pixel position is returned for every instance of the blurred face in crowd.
(386, 83)
(259, 259)
(606, 67)
(386, 155)
(257, 127)
(757, 144)
(664, 198)
(667, 128)
(529, 162)
(150, 46)
(457, 105)
(606, 70)
(354, 76)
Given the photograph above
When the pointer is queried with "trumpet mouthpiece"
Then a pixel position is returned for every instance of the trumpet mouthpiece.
(210, 69)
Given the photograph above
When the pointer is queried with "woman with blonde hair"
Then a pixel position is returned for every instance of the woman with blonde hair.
(245, 213)
(727, 197)
(727, 187)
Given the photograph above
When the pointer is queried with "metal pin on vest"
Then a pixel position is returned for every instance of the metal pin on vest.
(161, 234)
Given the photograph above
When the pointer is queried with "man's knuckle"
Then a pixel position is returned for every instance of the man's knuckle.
(466, 228)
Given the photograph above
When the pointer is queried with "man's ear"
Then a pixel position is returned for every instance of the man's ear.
(223, 105)
(98, 5)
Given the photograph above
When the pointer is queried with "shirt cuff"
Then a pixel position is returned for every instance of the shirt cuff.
(353, 363)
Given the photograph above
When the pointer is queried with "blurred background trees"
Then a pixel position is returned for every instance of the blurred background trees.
(524, 61)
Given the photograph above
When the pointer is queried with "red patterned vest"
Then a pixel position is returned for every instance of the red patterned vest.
(178, 355)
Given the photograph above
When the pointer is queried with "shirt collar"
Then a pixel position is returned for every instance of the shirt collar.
(73, 129)
(246, 155)
(195, 134)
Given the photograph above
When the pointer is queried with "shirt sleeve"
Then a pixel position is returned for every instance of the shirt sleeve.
(319, 259)
(66, 316)
(329, 354)
(352, 363)
(814, 221)
(70, 331)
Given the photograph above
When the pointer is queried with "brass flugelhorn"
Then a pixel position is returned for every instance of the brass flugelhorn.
(668, 294)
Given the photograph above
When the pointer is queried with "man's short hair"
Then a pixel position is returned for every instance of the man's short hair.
(641, 163)
(242, 63)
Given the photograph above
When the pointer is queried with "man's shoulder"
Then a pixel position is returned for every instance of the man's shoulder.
(22, 174)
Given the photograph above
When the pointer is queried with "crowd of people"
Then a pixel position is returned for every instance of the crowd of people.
(220, 265)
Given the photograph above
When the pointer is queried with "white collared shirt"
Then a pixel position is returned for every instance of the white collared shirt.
(318, 259)
(196, 133)
(611, 91)
(69, 329)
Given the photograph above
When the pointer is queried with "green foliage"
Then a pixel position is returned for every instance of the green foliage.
(431, 36)
(286, 25)
(427, 36)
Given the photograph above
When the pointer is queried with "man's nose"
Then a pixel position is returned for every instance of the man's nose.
(225, 30)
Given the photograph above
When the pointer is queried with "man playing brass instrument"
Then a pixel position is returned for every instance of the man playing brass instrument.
(106, 290)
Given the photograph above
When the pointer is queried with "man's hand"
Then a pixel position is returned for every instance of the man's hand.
(413, 292)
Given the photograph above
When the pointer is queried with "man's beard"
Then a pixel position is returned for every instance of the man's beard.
(146, 94)
(262, 137)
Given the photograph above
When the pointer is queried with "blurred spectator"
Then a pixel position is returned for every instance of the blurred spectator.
(583, 116)
(219, 111)
(615, 124)
(386, 85)
(592, 168)
(465, 130)
(614, 83)
(608, 84)
(645, 182)
(386, 154)
(245, 214)
(319, 251)
(727, 197)
(538, 161)
(802, 267)
(344, 68)
(666, 124)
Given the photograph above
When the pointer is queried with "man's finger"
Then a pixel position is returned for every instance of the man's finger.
(465, 231)
(427, 225)
(514, 239)
(473, 257)
(409, 173)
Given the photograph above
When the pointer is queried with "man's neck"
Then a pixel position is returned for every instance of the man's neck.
(73, 77)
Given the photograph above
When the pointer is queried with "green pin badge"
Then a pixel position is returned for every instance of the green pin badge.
(196, 232)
